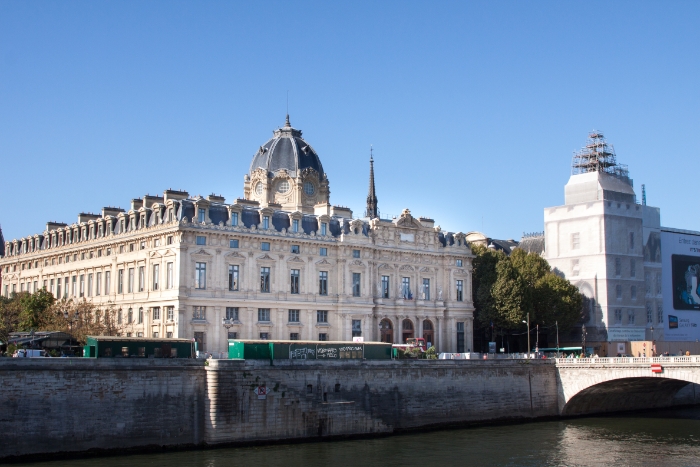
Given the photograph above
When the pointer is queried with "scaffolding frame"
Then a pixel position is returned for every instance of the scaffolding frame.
(599, 156)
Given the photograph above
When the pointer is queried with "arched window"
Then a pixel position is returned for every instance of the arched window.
(428, 333)
(407, 328)
(385, 329)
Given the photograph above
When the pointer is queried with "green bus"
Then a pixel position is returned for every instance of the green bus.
(307, 350)
(137, 347)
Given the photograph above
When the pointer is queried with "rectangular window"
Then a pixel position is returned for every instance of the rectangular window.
(200, 215)
(108, 280)
(575, 241)
(119, 316)
(169, 276)
(200, 339)
(232, 335)
(574, 267)
(633, 268)
(157, 351)
(460, 336)
(264, 336)
(426, 289)
(647, 282)
(293, 336)
(356, 328)
(618, 292)
(51, 289)
(659, 312)
(295, 225)
(322, 316)
(232, 313)
(323, 283)
(98, 284)
(633, 292)
(200, 276)
(618, 316)
(171, 312)
(323, 252)
(234, 218)
(156, 242)
(385, 286)
(140, 316)
(356, 284)
(324, 228)
(143, 245)
(156, 275)
(293, 316)
(131, 281)
(406, 288)
(323, 336)
(58, 288)
(658, 283)
(89, 285)
(156, 312)
(201, 240)
(355, 253)
(630, 316)
(169, 240)
(263, 315)
(294, 281)
(199, 313)
(631, 241)
(266, 222)
(82, 285)
(233, 243)
(650, 312)
(460, 290)
(618, 267)
(265, 279)
(65, 287)
(459, 263)
(233, 277)
(295, 249)
(265, 246)
(142, 278)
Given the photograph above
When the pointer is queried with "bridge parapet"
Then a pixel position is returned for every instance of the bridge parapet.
(612, 361)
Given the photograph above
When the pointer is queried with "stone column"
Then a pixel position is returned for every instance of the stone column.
(419, 327)
(438, 335)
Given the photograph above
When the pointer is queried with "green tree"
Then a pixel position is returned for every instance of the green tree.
(509, 296)
(10, 311)
(484, 276)
(35, 310)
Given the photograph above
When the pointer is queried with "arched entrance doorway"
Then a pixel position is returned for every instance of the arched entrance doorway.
(386, 332)
(428, 332)
(407, 328)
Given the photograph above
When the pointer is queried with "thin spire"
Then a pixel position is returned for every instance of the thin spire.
(372, 207)
(286, 123)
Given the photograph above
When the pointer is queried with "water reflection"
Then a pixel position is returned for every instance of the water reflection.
(668, 438)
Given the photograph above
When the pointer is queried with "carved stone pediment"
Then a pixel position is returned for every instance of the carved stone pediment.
(295, 259)
(266, 257)
(357, 262)
(201, 252)
(323, 261)
(385, 266)
(424, 269)
(460, 272)
(234, 254)
(406, 267)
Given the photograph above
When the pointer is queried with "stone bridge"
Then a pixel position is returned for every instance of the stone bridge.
(594, 385)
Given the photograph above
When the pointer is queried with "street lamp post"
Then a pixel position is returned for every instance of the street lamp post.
(583, 339)
(71, 318)
(653, 347)
(557, 324)
(227, 323)
(528, 334)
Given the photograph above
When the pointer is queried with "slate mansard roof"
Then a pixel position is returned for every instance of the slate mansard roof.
(287, 150)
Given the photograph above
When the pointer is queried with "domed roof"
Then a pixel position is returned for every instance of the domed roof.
(286, 150)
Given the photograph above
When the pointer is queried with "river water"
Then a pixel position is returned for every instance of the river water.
(659, 438)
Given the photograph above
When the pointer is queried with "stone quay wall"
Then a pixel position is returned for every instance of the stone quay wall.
(50, 406)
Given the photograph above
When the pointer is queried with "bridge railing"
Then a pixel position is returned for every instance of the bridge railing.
(619, 360)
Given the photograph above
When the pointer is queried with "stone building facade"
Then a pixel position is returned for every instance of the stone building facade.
(279, 263)
(602, 241)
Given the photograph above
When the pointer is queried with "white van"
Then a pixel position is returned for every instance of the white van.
(26, 353)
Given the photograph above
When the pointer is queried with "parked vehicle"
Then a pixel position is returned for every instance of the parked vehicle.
(27, 353)
(412, 343)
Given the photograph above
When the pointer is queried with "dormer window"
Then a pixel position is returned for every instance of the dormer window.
(200, 215)
(295, 225)
(101, 230)
(324, 228)
(143, 221)
(234, 218)
(266, 222)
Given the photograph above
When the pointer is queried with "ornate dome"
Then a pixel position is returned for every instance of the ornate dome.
(287, 150)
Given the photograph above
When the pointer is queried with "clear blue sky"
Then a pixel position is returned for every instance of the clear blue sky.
(474, 108)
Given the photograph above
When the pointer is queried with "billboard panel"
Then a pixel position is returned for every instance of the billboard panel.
(680, 265)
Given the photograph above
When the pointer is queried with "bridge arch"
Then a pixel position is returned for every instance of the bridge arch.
(605, 385)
